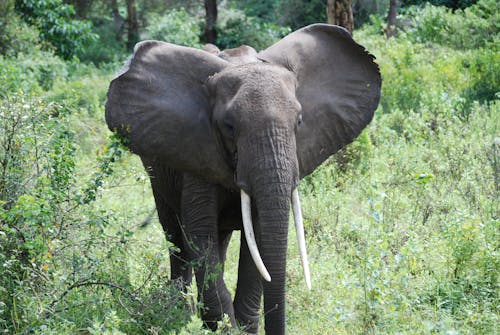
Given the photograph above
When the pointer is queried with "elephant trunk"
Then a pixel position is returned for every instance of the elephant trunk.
(269, 175)
(246, 213)
(272, 201)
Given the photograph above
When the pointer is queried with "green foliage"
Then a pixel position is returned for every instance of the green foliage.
(484, 66)
(85, 89)
(297, 14)
(454, 4)
(258, 8)
(15, 35)
(107, 47)
(36, 175)
(420, 75)
(54, 20)
(474, 27)
(356, 154)
(176, 26)
(363, 10)
(235, 28)
(410, 238)
(289, 13)
(31, 72)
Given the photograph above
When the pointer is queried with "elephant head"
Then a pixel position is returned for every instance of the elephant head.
(253, 122)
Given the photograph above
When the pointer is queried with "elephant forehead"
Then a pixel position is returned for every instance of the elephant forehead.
(260, 76)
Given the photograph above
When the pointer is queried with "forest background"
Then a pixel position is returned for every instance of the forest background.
(402, 225)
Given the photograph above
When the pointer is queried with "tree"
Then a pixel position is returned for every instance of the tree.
(210, 21)
(56, 24)
(339, 12)
(82, 7)
(390, 30)
(132, 25)
(118, 20)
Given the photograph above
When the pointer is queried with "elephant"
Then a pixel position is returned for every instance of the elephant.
(226, 137)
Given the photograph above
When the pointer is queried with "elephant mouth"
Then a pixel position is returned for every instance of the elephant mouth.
(246, 213)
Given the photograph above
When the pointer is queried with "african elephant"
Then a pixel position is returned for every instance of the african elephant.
(226, 137)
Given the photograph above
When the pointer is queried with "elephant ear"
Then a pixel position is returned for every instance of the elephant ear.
(160, 104)
(338, 87)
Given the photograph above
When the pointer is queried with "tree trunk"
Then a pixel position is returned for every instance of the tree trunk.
(339, 12)
(118, 20)
(132, 25)
(390, 30)
(82, 8)
(210, 20)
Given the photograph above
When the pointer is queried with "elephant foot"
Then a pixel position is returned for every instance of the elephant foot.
(213, 324)
(249, 325)
(210, 325)
(217, 307)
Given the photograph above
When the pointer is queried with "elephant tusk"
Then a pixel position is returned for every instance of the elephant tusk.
(301, 239)
(246, 214)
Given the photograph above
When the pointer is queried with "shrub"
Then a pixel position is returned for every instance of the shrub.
(106, 47)
(474, 27)
(431, 77)
(289, 13)
(235, 28)
(177, 26)
(36, 175)
(484, 69)
(85, 88)
(31, 72)
(58, 248)
(54, 19)
(15, 35)
(41, 204)
(455, 4)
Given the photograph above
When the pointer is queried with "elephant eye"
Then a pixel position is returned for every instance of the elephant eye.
(299, 120)
(230, 130)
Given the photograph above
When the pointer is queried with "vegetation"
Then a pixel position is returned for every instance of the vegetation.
(402, 225)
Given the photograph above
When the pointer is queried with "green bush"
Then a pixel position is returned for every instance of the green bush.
(85, 88)
(177, 26)
(364, 10)
(106, 47)
(36, 176)
(59, 248)
(454, 4)
(289, 13)
(235, 28)
(434, 77)
(15, 35)
(40, 206)
(484, 68)
(54, 19)
(474, 27)
(14, 78)
(412, 237)
(31, 72)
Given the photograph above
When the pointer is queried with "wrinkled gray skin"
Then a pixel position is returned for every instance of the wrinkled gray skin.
(207, 124)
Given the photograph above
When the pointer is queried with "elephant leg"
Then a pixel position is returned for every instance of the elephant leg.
(248, 296)
(224, 239)
(165, 183)
(199, 209)
(180, 269)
